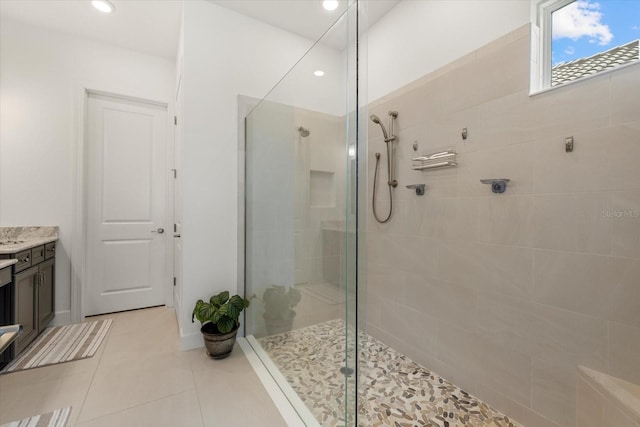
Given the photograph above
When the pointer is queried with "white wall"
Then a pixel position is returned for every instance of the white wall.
(226, 55)
(41, 72)
(417, 37)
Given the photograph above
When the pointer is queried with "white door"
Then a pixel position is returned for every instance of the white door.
(126, 155)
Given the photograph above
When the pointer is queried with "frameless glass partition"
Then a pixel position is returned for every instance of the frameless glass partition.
(503, 256)
(301, 228)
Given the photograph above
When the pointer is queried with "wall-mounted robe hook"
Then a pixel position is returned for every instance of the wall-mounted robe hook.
(420, 188)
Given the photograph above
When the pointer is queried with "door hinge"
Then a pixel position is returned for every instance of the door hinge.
(174, 281)
(175, 228)
(175, 173)
(175, 120)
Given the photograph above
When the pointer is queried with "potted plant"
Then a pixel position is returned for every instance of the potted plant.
(219, 318)
(279, 302)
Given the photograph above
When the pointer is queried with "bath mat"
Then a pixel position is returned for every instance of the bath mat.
(57, 418)
(61, 344)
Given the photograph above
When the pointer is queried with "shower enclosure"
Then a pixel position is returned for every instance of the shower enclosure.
(510, 304)
(303, 225)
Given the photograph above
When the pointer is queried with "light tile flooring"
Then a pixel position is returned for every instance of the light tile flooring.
(139, 377)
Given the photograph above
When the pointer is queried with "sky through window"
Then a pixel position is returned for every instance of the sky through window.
(586, 27)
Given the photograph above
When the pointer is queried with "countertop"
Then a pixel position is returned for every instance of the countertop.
(9, 247)
(17, 239)
(4, 263)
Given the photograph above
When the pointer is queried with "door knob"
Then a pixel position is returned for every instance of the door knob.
(159, 231)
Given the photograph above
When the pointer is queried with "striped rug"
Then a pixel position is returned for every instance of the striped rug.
(62, 344)
(57, 418)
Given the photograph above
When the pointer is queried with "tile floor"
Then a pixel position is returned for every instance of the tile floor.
(395, 391)
(139, 377)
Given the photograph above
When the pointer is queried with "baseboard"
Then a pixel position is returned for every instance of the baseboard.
(62, 317)
(190, 341)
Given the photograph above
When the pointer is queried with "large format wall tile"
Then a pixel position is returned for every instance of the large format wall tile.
(507, 321)
(451, 302)
(506, 220)
(587, 168)
(599, 286)
(589, 407)
(513, 162)
(525, 285)
(489, 268)
(625, 108)
(554, 390)
(624, 217)
(624, 352)
(499, 367)
(572, 222)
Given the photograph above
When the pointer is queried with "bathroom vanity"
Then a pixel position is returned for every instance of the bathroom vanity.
(6, 311)
(31, 296)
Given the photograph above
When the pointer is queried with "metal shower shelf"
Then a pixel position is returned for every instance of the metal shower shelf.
(440, 159)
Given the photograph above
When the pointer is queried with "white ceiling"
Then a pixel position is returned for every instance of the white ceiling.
(153, 26)
(150, 26)
(306, 18)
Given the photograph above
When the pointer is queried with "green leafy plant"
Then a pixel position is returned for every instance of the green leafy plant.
(279, 302)
(221, 313)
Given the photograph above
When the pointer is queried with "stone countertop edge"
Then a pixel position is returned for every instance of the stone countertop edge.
(4, 263)
(27, 244)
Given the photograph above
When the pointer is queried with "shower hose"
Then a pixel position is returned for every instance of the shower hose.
(375, 180)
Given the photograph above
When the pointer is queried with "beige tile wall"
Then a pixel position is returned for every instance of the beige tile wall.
(506, 294)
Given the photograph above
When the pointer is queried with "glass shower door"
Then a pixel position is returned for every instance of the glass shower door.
(301, 228)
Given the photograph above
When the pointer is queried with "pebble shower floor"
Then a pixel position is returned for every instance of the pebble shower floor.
(394, 390)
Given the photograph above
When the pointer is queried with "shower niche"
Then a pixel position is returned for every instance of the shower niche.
(322, 189)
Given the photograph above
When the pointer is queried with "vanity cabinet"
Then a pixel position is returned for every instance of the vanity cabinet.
(6, 311)
(45, 293)
(25, 306)
(34, 291)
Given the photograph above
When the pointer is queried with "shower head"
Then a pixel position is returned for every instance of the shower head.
(304, 132)
(375, 119)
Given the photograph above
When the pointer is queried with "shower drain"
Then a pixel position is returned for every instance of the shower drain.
(347, 372)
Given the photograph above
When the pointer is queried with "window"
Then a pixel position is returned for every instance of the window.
(580, 38)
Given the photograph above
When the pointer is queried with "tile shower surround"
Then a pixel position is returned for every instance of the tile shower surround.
(505, 295)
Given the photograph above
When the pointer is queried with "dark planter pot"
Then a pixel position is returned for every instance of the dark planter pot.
(277, 326)
(218, 345)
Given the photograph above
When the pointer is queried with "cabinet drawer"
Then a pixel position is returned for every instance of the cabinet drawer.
(5, 276)
(24, 260)
(49, 250)
(37, 255)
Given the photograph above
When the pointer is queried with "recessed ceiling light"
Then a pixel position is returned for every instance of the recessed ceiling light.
(318, 73)
(104, 6)
(330, 4)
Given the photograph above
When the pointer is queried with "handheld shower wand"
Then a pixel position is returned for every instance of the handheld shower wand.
(391, 182)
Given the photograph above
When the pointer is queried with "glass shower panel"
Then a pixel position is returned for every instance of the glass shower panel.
(301, 219)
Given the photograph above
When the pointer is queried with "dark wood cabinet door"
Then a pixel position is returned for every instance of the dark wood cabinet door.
(25, 308)
(46, 293)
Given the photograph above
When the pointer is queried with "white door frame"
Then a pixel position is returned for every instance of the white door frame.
(78, 233)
